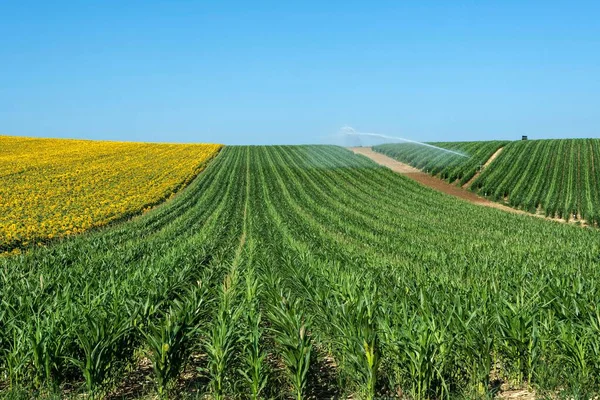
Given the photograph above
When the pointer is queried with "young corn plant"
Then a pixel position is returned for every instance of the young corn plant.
(222, 337)
(355, 323)
(422, 351)
(479, 336)
(254, 355)
(289, 328)
(103, 341)
(574, 343)
(16, 355)
(520, 336)
(594, 348)
(419, 345)
(168, 337)
(475, 326)
(46, 346)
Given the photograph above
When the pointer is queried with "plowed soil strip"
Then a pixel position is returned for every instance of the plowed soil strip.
(435, 183)
(488, 162)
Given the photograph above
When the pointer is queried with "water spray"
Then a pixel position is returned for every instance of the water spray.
(348, 130)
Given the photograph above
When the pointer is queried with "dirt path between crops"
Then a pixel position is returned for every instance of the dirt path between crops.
(431, 181)
(443, 186)
(488, 162)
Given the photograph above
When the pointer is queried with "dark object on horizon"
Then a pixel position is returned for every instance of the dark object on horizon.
(524, 137)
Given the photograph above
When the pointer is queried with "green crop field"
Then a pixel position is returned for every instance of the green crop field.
(448, 166)
(306, 272)
(560, 177)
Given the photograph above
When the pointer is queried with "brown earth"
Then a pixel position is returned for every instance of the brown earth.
(429, 180)
(517, 395)
(488, 162)
(443, 186)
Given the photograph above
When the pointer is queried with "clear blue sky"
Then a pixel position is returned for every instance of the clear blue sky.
(294, 72)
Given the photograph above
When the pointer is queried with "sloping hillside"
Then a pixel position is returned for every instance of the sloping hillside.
(558, 177)
(450, 166)
(306, 271)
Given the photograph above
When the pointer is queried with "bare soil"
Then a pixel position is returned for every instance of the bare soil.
(488, 162)
(443, 186)
(431, 181)
(517, 394)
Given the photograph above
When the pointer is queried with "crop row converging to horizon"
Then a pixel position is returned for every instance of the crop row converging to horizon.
(50, 188)
(307, 271)
(555, 177)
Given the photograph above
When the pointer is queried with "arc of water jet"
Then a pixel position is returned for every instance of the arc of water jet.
(348, 130)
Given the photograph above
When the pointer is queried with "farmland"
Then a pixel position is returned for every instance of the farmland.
(51, 188)
(559, 177)
(299, 271)
(448, 166)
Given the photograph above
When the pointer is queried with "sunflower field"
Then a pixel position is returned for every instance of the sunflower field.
(51, 188)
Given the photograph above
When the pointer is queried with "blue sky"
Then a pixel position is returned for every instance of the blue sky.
(296, 72)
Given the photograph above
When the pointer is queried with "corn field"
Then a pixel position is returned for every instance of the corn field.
(558, 178)
(295, 272)
(447, 166)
